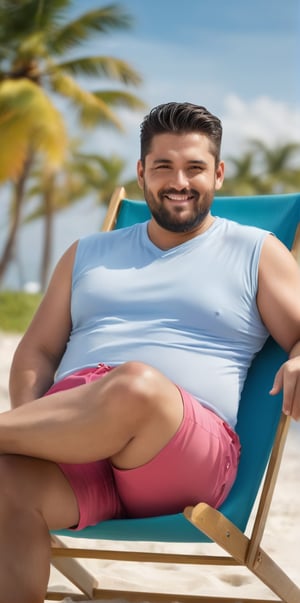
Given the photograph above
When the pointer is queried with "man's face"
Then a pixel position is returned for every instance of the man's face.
(179, 180)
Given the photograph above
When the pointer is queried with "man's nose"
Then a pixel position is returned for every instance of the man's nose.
(180, 179)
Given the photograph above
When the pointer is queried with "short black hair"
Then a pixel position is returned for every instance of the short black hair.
(179, 118)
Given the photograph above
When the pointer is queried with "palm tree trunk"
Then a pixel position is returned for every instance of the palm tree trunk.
(17, 201)
(48, 231)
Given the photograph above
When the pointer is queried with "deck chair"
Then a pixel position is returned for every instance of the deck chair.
(262, 429)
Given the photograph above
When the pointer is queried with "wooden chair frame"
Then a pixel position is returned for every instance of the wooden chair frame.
(240, 550)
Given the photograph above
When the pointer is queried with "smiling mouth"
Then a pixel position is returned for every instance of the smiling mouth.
(177, 198)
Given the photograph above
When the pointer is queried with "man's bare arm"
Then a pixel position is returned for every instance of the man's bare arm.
(279, 305)
(42, 346)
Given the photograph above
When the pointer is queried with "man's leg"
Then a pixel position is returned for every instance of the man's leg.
(35, 496)
(128, 416)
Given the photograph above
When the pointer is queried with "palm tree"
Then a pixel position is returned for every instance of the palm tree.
(105, 174)
(82, 175)
(29, 123)
(38, 65)
(243, 180)
(277, 172)
(264, 170)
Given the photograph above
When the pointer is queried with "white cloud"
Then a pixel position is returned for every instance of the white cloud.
(270, 121)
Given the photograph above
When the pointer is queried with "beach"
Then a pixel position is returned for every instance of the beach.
(281, 539)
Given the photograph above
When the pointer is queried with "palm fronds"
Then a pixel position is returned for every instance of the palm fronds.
(28, 120)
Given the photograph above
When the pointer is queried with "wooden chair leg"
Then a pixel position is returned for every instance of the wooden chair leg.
(74, 571)
(236, 543)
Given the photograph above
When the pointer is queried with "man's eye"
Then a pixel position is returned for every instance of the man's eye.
(196, 168)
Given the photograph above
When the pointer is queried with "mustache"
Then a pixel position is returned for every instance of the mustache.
(174, 191)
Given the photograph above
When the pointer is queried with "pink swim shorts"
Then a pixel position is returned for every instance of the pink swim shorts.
(198, 464)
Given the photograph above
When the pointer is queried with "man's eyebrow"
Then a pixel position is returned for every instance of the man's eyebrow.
(190, 161)
(162, 160)
(197, 162)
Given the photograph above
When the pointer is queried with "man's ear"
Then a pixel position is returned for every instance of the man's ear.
(220, 173)
(140, 174)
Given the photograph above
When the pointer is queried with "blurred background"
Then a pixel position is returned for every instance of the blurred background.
(76, 79)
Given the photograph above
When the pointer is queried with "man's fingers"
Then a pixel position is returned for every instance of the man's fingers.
(277, 383)
(290, 378)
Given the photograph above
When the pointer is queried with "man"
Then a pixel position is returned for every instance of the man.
(148, 333)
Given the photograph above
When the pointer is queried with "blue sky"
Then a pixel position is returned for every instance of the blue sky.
(238, 58)
(201, 49)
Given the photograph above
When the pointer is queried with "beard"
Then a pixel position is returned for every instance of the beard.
(177, 220)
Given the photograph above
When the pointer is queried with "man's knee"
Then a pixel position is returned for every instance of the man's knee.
(142, 381)
(10, 470)
(20, 479)
(40, 486)
(10, 473)
(139, 393)
(136, 388)
(17, 494)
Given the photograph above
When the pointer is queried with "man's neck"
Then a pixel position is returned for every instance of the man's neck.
(166, 239)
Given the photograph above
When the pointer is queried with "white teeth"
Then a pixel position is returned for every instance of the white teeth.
(178, 197)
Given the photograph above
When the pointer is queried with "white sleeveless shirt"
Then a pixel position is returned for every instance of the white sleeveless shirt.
(189, 311)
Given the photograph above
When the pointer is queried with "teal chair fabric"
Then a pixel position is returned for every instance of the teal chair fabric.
(259, 412)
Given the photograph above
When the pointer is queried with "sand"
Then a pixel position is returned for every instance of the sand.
(281, 539)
